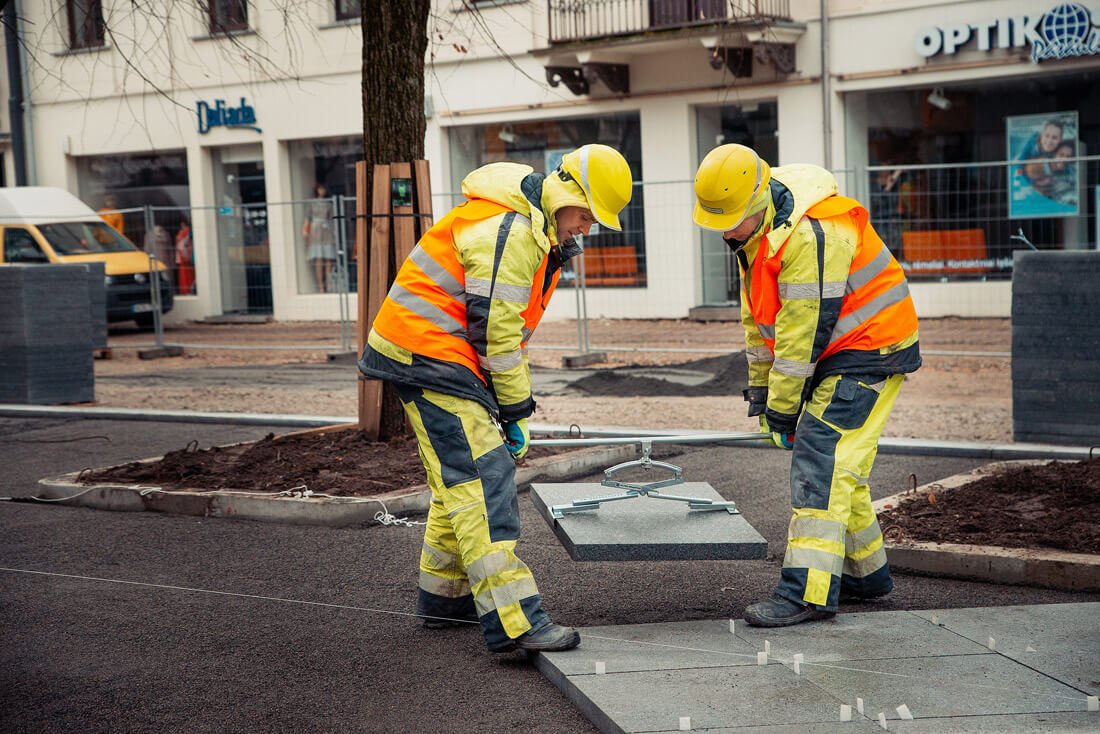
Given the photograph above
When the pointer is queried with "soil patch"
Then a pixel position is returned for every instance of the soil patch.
(342, 463)
(729, 378)
(1043, 506)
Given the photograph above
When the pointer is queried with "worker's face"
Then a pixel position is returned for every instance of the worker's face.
(573, 221)
(744, 230)
(1050, 138)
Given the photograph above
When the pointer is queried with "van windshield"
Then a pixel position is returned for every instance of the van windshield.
(84, 238)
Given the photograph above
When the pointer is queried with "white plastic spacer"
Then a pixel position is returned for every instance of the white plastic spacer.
(882, 720)
(1093, 703)
(798, 657)
(845, 712)
(905, 713)
(1029, 648)
(991, 644)
(767, 646)
(935, 619)
(859, 705)
(761, 658)
(797, 668)
(685, 723)
(601, 667)
(732, 625)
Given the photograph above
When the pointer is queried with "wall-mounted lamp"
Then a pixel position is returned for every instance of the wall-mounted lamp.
(938, 100)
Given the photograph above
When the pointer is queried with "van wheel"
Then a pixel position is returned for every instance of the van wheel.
(145, 321)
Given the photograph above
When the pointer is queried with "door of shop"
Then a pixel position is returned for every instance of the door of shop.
(244, 255)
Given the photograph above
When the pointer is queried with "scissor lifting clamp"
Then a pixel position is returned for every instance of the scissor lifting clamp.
(649, 489)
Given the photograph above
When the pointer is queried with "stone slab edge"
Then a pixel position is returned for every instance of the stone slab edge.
(333, 512)
(588, 708)
(1024, 566)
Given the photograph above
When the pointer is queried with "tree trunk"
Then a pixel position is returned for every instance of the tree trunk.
(395, 39)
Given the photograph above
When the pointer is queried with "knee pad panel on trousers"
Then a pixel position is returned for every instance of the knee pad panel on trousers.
(498, 483)
(851, 404)
(812, 463)
(448, 438)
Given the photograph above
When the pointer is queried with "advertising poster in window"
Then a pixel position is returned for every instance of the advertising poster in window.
(1042, 176)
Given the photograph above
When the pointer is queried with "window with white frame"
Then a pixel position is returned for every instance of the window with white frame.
(227, 15)
(85, 23)
(348, 9)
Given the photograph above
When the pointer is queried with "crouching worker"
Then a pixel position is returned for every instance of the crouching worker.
(451, 336)
(830, 331)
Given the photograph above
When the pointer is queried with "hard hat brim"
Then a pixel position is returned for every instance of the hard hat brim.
(715, 222)
(607, 218)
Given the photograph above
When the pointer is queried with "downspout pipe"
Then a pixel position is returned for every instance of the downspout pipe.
(826, 89)
(15, 93)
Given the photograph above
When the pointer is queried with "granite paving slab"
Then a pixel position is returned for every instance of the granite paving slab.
(645, 678)
(647, 528)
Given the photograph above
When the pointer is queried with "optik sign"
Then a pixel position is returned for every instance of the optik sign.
(221, 115)
(1065, 30)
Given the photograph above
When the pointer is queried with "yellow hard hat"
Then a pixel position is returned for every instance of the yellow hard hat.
(604, 175)
(730, 185)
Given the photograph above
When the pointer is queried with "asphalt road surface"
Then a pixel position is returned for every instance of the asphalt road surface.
(143, 622)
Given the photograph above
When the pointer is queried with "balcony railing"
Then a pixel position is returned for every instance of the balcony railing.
(579, 20)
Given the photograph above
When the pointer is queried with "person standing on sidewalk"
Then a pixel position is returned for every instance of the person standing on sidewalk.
(451, 336)
(830, 331)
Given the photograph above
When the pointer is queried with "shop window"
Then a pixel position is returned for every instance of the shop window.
(85, 23)
(146, 197)
(227, 15)
(611, 258)
(323, 182)
(348, 9)
(753, 124)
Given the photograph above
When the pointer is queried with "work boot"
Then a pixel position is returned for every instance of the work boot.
(780, 612)
(551, 638)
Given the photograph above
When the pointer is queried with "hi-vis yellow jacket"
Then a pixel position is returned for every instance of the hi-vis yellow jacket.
(821, 295)
(469, 296)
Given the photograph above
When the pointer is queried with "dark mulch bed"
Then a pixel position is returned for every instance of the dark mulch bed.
(729, 378)
(1052, 506)
(339, 462)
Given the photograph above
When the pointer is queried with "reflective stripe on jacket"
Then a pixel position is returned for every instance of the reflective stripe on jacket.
(823, 295)
(466, 301)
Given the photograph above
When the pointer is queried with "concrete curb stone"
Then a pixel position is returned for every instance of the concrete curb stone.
(1023, 566)
(302, 509)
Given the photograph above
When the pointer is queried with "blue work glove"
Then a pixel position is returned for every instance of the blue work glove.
(517, 438)
(782, 440)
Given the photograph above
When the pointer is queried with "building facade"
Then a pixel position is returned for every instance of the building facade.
(966, 127)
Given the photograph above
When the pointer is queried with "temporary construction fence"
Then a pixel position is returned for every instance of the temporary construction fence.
(944, 223)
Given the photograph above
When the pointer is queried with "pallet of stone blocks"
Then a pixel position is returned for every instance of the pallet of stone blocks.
(45, 335)
(1056, 347)
(97, 302)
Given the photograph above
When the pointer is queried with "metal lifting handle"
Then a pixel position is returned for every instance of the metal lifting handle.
(645, 462)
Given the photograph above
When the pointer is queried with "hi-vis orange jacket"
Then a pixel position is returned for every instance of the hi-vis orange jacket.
(822, 295)
(464, 304)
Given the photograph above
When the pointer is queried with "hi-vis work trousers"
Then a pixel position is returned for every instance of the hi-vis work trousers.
(468, 560)
(834, 542)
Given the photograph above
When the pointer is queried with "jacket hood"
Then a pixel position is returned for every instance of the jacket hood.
(515, 186)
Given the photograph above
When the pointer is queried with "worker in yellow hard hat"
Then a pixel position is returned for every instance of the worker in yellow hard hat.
(452, 337)
(830, 330)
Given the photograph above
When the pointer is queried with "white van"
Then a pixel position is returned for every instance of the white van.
(41, 224)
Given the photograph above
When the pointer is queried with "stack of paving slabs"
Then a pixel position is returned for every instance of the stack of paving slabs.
(46, 335)
(97, 300)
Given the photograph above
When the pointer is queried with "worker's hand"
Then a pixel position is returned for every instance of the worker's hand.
(757, 398)
(517, 438)
(782, 440)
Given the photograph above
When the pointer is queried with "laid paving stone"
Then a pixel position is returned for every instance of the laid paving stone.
(647, 528)
(943, 672)
(1062, 637)
(861, 636)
